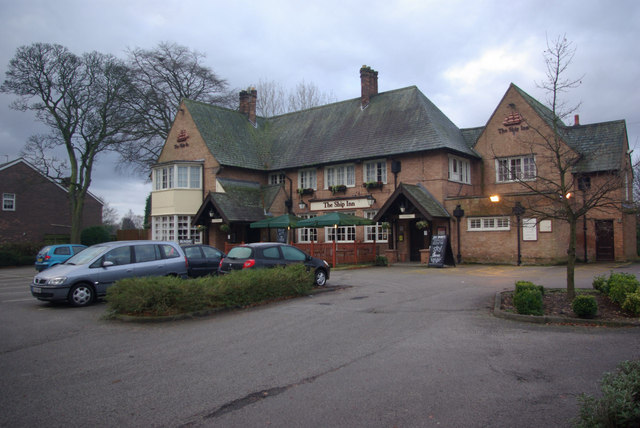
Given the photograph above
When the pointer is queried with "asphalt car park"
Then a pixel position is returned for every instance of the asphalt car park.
(397, 346)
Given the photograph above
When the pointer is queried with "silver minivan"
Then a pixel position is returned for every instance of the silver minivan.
(87, 275)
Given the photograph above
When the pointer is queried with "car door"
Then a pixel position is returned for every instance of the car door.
(121, 268)
(212, 259)
(148, 261)
(197, 262)
(293, 255)
(271, 257)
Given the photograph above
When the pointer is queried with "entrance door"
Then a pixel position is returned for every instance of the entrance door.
(604, 240)
(417, 241)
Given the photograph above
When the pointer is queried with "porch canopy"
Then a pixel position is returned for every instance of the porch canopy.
(334, 219)
(411, 199)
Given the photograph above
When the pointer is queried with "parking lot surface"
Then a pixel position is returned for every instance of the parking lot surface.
(398, 346)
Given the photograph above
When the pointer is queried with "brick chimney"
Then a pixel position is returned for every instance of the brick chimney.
(368, 84)
(248, 101)
(576, 120)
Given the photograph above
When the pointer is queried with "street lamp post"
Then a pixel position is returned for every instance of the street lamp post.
(458, 213)
(518, 210)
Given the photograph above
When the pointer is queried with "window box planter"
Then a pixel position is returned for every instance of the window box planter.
(373, 185)
(303, 192)
(338, 188)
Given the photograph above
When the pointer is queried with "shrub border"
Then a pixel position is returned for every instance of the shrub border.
(546, 319)
(206, 312)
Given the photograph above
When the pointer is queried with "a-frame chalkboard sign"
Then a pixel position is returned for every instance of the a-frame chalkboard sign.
(440, 253)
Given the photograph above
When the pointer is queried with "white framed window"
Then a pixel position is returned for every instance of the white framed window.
(307, 234)
(375, 171)
(341, 233)
(276, 178)
(459, 170)
(176, 228)
(307, 179)
(8, 202)
(515, 168)
(177, 176)
(340, 174)
(488, 223)
(374, 233)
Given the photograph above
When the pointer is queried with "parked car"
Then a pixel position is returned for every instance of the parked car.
(52, 255)
(203, 259)
(270, 254)
(87, 275)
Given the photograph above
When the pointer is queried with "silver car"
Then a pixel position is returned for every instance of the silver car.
(87, 275)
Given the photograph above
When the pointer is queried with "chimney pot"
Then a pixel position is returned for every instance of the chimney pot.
(576, 120)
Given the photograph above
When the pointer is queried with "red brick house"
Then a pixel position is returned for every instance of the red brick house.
(393, 157)
(35, 208)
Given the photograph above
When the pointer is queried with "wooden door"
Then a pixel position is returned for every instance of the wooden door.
(604, 240)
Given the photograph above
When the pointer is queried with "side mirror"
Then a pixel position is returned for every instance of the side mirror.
(107, 264)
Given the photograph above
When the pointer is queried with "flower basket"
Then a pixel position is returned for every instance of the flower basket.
(338, 188)
(308, 191)
(225, 228)
(369, 185)
(422, 225)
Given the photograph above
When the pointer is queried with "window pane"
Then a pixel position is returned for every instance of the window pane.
(183, 176)
(195, 177)
(351, 175)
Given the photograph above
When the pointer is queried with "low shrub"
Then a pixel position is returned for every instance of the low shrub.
(621, 284)
(381, 261)
(632, 304)
(585, 306)
(158, 296)
(528, 285)
(619, 405)
(95, 235)
(528, 301)
(19, 253)
(601, 284)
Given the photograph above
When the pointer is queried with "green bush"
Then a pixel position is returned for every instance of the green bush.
(632, 304)
(94, 235)
(381, 261)
(158, 296)
(620, 402)
(528, 285)
(621, 284)
(528, 301)
(19, 253)
(601, 284)
(585, 306)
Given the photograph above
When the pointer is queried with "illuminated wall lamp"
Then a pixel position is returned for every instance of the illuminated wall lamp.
(494, 198)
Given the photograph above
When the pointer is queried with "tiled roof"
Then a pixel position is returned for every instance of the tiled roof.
(395, 122)
(602, 145)
(242, 201)
(425, 199)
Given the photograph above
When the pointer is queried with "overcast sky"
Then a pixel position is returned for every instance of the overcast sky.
(461, 54)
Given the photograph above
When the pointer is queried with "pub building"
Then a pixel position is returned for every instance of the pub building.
(392, 157)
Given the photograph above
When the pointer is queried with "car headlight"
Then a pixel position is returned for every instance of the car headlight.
(325, 263)
(57, 280)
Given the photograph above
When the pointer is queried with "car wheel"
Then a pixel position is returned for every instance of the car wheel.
(81, 295)
(321, 278)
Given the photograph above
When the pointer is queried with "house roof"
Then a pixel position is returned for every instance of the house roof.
(30, 165)
(419, 197)
(395, 122)
(241, 201)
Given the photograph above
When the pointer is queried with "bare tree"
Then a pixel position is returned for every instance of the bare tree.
(565, 185)
(110, 215)
(274, 99)
(162, 77)
(80, 100)
(131, 221)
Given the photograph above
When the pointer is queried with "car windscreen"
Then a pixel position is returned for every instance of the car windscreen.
(85, 256)
(240, 253)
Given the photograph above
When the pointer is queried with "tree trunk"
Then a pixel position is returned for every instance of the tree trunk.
(76, 205)
(571, 259)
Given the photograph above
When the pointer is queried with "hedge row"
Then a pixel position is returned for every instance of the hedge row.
(621, 288)
(160, 296)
